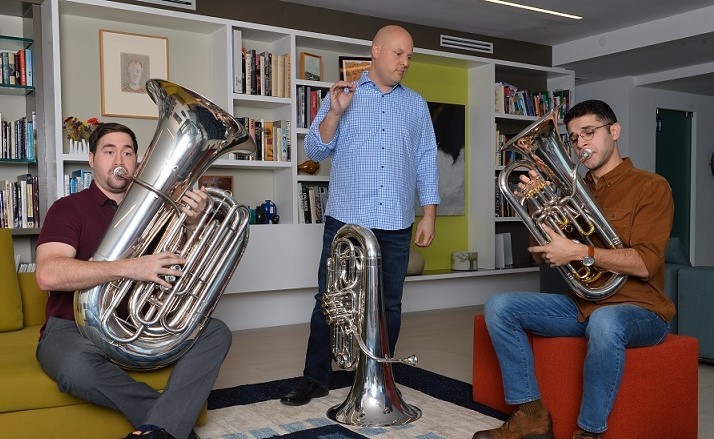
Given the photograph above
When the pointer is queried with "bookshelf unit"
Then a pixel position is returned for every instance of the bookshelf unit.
(201, 57)
(17, 106)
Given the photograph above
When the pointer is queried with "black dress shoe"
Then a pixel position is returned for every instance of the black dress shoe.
(304, 392)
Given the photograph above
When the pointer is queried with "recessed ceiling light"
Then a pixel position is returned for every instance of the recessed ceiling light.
(533, 8)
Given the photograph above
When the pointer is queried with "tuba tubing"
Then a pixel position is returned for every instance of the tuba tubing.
(142, 325)
(563, 202)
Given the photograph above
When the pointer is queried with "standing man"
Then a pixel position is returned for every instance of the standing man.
(639, 206)
(381, 140)
(70, 235)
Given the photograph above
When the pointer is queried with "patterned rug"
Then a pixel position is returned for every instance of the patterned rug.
(254, 411)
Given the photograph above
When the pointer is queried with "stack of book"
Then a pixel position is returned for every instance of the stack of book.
(18, 138)
(272, 138)
(16, 68)
(77, 181)
(312, 197)
(510, 100)
(20, 202)
(261, 73)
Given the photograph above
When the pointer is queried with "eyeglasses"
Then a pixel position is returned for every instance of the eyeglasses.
(586, 134)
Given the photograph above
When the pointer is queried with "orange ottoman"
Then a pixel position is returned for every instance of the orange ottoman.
(658, 396)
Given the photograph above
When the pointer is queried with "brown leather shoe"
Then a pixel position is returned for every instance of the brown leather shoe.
(520, 426)
(582, 434)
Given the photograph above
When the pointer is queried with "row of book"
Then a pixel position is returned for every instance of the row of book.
(505, 157)
(77, 181)
(510, 100)
(16, 68)
(18, 138)
(20, 202)
(272, 138)
(262, 73)
(308, 103)
(312, 198)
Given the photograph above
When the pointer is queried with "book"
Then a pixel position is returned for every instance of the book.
(29, 68)
(237, 61)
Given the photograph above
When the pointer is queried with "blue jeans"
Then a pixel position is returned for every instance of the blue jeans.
(394, 247)
(609, 330)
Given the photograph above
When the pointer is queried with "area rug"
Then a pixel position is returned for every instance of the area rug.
(254, 411)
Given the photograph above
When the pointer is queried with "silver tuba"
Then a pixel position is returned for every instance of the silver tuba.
(142, 325)
(353, 308)
(564, 203)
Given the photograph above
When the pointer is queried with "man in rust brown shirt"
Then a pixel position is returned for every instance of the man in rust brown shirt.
(639, 206)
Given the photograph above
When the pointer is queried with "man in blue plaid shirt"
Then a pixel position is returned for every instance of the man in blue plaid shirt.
(381, 141)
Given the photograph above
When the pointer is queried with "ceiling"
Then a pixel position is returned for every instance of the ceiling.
(675, 56)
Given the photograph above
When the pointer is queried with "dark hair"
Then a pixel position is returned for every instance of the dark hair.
(593, 106)
(107, 128)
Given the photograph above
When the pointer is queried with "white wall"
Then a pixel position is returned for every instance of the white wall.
(635, 108)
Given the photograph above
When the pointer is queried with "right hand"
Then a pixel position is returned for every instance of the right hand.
(341, 94)
(155, 267)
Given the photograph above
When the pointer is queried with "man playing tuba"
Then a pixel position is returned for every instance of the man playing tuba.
(71, 233)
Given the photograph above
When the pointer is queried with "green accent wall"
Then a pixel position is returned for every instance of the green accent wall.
(438, 83)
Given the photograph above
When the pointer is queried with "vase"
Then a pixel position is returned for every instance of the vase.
(416, 263)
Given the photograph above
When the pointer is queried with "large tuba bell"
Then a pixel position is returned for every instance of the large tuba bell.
(561, 200)
(142, 325)
(353, 308)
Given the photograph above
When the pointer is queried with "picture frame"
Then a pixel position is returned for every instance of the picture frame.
(126, 62)
(310, 66)
(351, 67)
(224, 182)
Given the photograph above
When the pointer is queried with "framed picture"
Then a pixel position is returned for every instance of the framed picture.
(126, 62)
(224, 182)
(351, 67)
(310, 66)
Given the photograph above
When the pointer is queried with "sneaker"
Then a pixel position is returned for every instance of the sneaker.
(520, 426)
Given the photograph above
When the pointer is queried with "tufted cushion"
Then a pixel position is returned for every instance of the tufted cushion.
(10, 300)
(675, 252)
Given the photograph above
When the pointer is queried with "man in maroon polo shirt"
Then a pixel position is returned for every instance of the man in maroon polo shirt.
(72, 231)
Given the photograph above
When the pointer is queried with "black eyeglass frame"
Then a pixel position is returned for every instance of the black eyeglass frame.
(586, 134)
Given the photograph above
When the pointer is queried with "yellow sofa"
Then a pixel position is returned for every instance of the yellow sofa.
(31, 406)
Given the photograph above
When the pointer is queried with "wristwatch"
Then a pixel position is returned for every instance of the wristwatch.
(590, 258)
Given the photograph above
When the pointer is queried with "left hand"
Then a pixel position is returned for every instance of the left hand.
(194, 203)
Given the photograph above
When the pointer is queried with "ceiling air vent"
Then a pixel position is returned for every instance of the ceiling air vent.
(186, 4)
(466, 44)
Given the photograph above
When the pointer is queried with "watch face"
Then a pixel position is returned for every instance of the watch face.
(588, 261)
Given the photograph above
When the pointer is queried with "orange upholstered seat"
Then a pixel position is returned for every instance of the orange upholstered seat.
(657, 399)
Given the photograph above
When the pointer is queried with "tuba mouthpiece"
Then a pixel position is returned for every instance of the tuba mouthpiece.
(587, 153)
(120, 172)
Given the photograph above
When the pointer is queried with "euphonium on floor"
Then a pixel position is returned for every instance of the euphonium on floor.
(353, 308)
(561, 200)
(142, 325)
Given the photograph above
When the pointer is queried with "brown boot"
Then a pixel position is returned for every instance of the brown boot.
(582, 434)
(520, 426)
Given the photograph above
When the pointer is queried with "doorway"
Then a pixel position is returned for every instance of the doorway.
(674, 162)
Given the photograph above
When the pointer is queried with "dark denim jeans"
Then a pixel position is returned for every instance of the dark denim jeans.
(609, 330)
(394, 247)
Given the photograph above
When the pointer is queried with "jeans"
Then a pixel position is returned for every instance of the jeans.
(394, 248)
(609, 330)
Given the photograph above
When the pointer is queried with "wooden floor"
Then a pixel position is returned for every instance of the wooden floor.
(441, 339)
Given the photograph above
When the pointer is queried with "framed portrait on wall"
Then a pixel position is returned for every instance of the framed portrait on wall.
(126, 62)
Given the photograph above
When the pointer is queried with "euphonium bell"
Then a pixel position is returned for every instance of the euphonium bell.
(561, 201)
(141, 325)
(353, 308)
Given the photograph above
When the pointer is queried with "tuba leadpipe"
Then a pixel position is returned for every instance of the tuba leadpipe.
(561, 200)
(143, 325)
(353, 309)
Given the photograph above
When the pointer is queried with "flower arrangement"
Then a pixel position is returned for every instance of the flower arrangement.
(77, 130)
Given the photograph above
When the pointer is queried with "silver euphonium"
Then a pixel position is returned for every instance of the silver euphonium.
(560, 200)
(142, 325)
(353, 309)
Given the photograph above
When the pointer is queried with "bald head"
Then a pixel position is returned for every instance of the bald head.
(392, 50)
